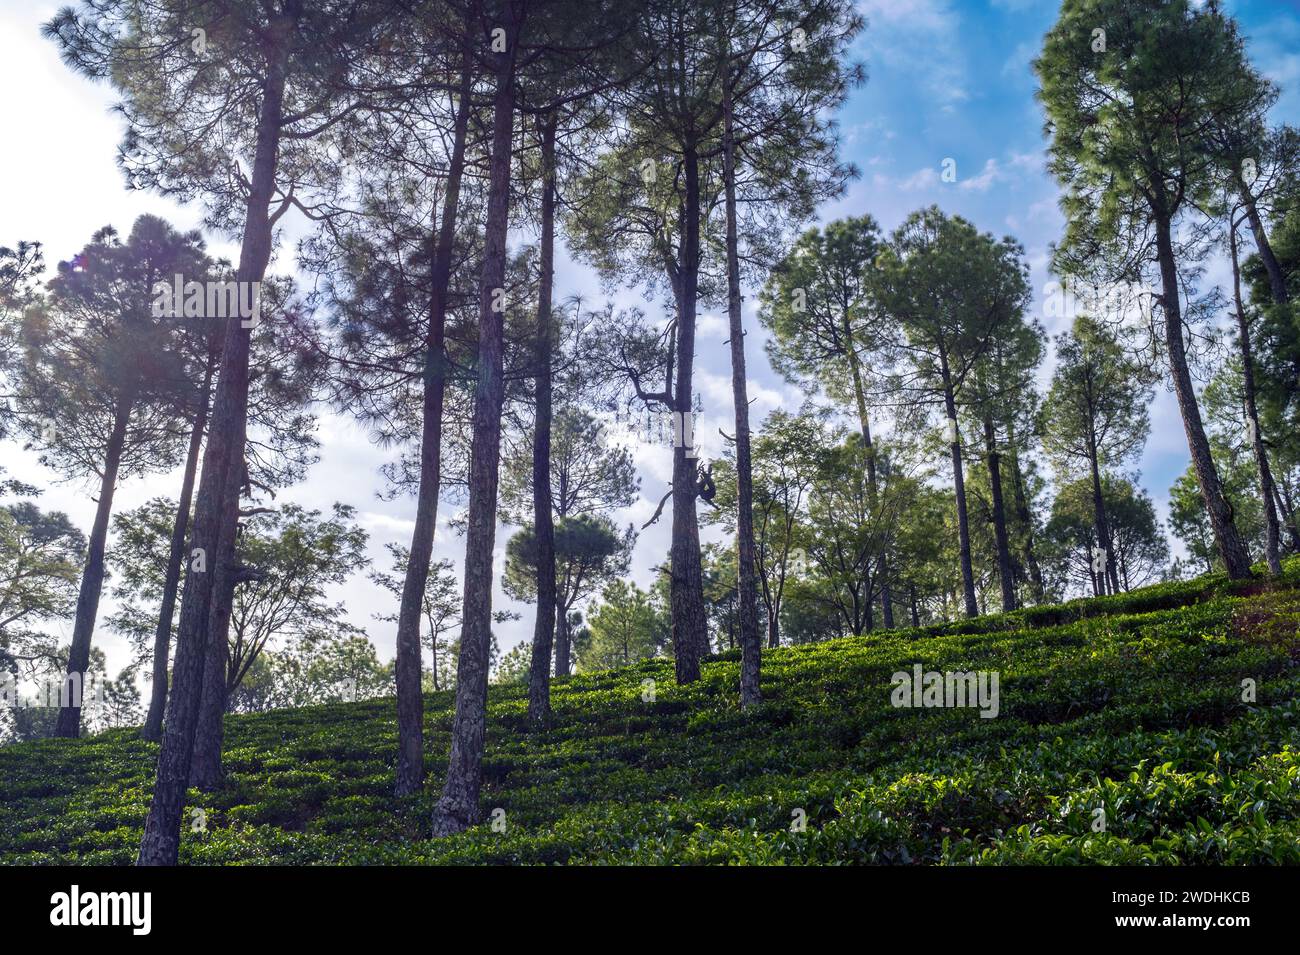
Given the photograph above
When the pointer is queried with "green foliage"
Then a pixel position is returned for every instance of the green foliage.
(298, 554)
(626, 625)
(440, 611)
(101, 375)
(1134, 91)
(589, 551)
(1191, 525)
(1096, 406)
(40, 565)
(826, 326)
(1132, 704)
(513, 666)
(1141, 551)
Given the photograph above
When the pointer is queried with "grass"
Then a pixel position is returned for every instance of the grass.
(1131, 705)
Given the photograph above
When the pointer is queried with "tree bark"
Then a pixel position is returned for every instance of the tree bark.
(217, 505)
(563, 643)
(539, 671)
(68, 724)
(457, 808)
(1286, 512)
(686, 589)
(751, 644)
(153, 723)
(407, 660)
(1276, 280)
(999, 517)
(1272, 530)
(959, 486)
(873, 492)
(1108, 575)
(1231, 549)
(206, 771)
(1026, 518)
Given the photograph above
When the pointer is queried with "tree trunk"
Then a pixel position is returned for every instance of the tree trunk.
(686, 589)
(999, 517)
(434, 649)
(92, 579)
(217, 505)
(175, 559)
(873, 494)
(959, 486)
(1276, 280)
(1026, 518)
(539, 671)
(407, 660)
(916, 615)
(1108, 574)
(1273, 531)
(751, 644)
(206, 772)
(563, 645)
(458, 809)
(1231, 550)
(1287, 513)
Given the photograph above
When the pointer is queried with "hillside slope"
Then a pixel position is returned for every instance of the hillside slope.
(1131, 705)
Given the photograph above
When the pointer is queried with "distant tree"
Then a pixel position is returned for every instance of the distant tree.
(344, 667)
(589, 552)
(785, 466)
(99, 382)
(1140, 544)
(844, 531)
(440, 611)
(514, 666)
(953, 291)
(589, 477)
(1095, 417)
(828, 331)
(331, 665)
(924, 543)
(118, 705)
(1141, 551)
(625, 626)
(1134, 91)
(1190, 523)
(1002, 391)
(40, 563)
(589, 474)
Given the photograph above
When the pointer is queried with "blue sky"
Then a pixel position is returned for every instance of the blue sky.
(948, 79)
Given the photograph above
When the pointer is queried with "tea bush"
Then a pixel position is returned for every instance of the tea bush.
(1123, 736)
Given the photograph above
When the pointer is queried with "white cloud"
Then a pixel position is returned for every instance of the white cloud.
(919, 38)
(990, 174)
